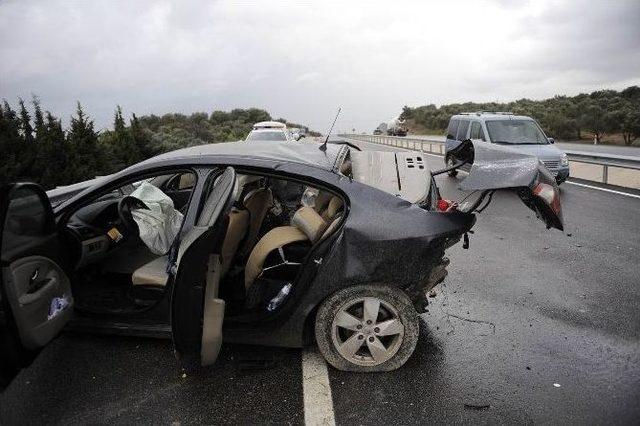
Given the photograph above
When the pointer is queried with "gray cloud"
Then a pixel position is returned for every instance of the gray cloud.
(302, 60)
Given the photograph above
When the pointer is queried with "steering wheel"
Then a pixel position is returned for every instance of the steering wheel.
(125, 205)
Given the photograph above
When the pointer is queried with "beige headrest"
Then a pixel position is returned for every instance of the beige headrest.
(322, 200)
(309, 222)
(332, 209)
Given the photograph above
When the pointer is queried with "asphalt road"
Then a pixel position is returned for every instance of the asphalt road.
(522, 311)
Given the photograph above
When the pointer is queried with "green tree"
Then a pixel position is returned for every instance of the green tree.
(597, 120)
(85, 157)
(11, 165)
(56, 168)
(630, 125)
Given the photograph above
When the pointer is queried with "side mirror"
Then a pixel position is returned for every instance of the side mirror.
(551, 140)
(461, 155)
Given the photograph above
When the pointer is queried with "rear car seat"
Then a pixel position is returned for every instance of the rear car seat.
(257, 202)
(236, 232)
(306, 225)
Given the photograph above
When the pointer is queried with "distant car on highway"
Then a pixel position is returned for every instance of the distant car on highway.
(271, 131)
(395, 127)
(503, 128)
(297, 133)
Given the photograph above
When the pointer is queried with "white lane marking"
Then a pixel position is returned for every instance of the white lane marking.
(604, 189)
(318, 403)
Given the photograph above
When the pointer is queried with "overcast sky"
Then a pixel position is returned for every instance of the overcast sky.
(301, 60)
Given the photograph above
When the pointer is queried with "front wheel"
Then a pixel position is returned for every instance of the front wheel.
(367, 329)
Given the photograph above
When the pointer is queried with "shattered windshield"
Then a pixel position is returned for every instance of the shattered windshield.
(516, 132)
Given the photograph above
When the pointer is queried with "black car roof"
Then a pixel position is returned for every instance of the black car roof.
(296, 152)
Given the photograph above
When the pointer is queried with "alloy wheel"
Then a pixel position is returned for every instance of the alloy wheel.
(367, 331)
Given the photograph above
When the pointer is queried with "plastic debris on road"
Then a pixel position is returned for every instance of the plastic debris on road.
(58, 304)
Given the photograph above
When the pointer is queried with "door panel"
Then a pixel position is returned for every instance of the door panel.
(31, 284)
(35, 293)
(196, 311)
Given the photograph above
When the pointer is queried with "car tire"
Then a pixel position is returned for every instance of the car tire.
(449, 163)
(379, 349)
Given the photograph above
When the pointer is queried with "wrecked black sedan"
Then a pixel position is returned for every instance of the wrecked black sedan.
(268, 244)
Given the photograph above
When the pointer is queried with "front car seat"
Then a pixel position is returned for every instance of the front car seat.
(152, 274)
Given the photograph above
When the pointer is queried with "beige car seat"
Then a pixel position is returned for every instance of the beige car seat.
(306, 225)
(332, 209)
(257, 202)
(236, 232)
(152, 274)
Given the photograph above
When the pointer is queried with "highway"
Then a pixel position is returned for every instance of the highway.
(530, 326)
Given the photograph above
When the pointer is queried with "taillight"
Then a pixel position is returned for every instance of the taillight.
(549, 195)
(444, 205)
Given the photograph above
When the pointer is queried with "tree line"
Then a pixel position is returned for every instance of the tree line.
(35, 147)
(600, 113)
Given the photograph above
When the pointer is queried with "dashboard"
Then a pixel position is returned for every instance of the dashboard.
(88, 229)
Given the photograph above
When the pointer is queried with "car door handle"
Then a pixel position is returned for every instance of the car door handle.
(36, 285)
(38, 290)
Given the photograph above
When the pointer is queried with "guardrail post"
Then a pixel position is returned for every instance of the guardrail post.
(605, 173)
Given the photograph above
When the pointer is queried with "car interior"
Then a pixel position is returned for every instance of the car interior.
(272, 226)
(114, 270)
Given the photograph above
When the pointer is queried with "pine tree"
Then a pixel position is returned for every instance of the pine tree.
(28, 148)
(141, 139)
(85, 157)
(56, 168)
(9, 144)
(38, 119)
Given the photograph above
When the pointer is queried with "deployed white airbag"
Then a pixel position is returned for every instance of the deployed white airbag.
(159, 225)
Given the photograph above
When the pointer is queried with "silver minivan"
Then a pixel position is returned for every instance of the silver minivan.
(516, 131)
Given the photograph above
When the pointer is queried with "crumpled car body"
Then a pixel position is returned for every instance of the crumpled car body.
(391, 231)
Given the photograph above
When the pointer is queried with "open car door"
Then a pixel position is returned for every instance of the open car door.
(196, 311)
(35, 292)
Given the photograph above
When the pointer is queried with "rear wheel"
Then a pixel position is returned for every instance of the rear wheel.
(449, 162)
(367, 329)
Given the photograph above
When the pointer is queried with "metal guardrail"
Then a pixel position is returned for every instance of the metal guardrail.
(604, 160)
(435, 146)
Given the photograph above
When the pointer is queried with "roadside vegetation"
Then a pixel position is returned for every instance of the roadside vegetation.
(609, 116)
(35, 146)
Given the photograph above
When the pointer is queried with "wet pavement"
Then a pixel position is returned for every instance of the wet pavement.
(531, 326)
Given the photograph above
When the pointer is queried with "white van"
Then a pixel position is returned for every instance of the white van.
(273, 131)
